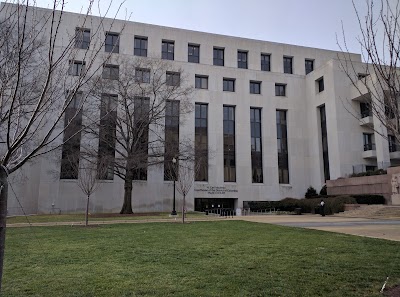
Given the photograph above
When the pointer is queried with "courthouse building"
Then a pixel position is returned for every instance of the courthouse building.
(275, 117)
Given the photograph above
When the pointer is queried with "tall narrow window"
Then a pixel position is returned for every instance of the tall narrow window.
(309, 64)
(201, 141)
(72, 139)
(392, 144)
(82, 38)
(320, 84)
(167, 50)
(107, 135)
(365, 109)
(265, 62)
(229, 144)
(140, 46)
(288, 65)
(171, 137)
(256, 145)
(368, 142)
(324, 139)
(218, 56)
(112, 42)
(242, 59)
(194, 53)
(140, 137)
(283, 157)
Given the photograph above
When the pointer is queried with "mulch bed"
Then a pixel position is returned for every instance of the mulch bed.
(392, 292)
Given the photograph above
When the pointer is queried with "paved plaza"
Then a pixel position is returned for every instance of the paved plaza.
(376, 228)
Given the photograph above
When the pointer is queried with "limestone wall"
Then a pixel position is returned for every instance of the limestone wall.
(376, 184)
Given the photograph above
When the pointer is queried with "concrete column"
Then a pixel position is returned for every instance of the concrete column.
(380, 135)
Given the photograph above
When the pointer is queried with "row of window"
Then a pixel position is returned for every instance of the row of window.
(82, 41)
(369, 144)
(142, 75)
(107, 136)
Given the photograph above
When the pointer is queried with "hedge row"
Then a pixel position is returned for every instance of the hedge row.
(332, 204)
(310, 205)
(369, 199)
(369, 173)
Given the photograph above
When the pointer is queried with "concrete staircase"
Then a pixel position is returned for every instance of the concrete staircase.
(373, 212)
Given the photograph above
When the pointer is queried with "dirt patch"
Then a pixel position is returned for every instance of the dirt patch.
(117, 215)
(392, 292)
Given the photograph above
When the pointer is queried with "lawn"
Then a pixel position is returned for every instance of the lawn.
(228, 258)
(99, 217)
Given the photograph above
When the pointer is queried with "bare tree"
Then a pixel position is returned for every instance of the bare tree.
(184, 172)
(142, 102)
(378, 79)
(88, 180)
(38, 83)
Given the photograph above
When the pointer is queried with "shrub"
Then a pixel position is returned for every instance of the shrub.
(369, 199)
(369, 173)
(259, 205)
(323, 191)
(311, 192)
(332, 204)
(336, 205)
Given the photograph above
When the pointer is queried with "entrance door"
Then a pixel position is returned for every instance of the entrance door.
(203, 204)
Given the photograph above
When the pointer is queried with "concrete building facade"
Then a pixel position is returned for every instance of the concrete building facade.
(300, 89)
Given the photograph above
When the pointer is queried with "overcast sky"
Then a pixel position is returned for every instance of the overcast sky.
(313, 23)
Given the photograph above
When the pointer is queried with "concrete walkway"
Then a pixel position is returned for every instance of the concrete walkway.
(375, 228)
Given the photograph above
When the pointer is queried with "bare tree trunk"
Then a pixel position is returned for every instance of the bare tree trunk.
(87, 211)
(183, 209)
(127, 206)
(3, 216)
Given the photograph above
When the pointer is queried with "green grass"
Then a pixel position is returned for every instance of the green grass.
(231, 258)
(81, 217)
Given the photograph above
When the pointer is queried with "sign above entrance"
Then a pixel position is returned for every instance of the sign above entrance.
(213, 190)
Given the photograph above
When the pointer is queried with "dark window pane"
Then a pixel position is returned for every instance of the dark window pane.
(229, 85)
(167, 50)
(218, 57)
(309, 64)
(287, 65)
(265, 62)
(140, 46)
(201, 141)
(229, 144)
(283, 164)
(193, 53)
(171, 137)
(82, 38)
(320, 83)
(112, 42)
(256, 147)
(280, 90)
(242, 59)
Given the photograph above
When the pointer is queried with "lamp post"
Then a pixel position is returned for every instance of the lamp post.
(173, 213)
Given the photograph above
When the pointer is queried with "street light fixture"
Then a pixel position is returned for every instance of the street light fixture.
(173, 213)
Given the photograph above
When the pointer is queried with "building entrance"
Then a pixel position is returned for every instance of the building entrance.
(203, 204)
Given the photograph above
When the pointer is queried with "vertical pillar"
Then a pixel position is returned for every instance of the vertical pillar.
(380, 131)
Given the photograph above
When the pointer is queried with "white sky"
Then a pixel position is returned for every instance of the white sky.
(313, 23)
